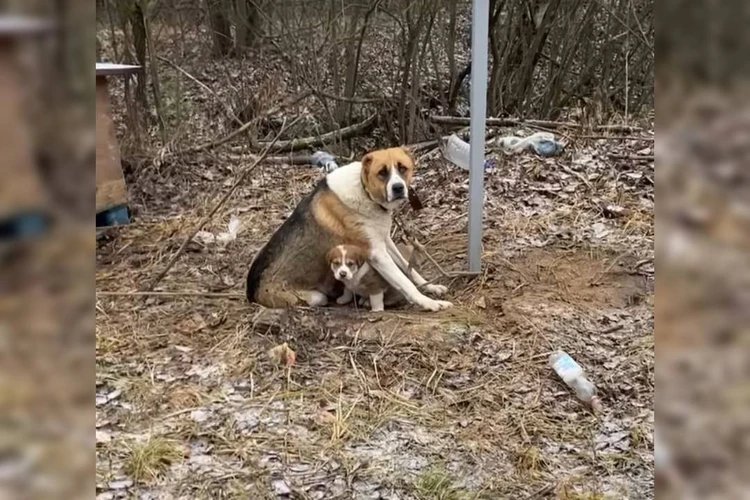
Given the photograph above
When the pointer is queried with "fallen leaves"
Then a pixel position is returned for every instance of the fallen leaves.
(282, 354)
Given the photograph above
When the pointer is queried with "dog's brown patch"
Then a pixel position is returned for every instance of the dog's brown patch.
(338, 220)
(377, 166)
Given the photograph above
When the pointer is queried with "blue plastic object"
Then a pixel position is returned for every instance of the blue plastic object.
(23, 225)
(115, 216)
(546, 147)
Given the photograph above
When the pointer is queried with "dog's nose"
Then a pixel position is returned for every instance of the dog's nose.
(342, 274)
(398, 190)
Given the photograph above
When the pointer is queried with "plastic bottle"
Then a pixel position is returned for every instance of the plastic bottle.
(542, 143)
(572, 374)
(458, 152)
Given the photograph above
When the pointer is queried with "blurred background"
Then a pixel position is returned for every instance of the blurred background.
(703, 250)
(703, 159)
(47, 178)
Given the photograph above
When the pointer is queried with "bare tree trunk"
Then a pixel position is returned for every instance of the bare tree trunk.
(221, 31)
(247, 21)
(333, 61)
(240, 26)
(351, 83)
(544, 17)
(138, 27)
(450, 50)
(154, 75)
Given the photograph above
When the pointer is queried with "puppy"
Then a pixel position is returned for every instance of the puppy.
(349, 265)
(353, 205)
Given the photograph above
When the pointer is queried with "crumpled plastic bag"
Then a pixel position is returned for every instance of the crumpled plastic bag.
(224, 238)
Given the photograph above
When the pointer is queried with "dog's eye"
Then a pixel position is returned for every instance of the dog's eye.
(350, 263)
(383, 174)
(401, 168)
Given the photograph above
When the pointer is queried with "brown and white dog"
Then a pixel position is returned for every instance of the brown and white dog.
(352, 205)
(349, 265)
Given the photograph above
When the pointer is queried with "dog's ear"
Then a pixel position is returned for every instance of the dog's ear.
(409, 153)
(367, 163)
(331, 254)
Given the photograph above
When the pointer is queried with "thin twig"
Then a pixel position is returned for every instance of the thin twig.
(222, 201)
(421, 248)
(205, 87)
(577, 174)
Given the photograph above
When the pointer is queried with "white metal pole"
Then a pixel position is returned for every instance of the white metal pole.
(479, 38)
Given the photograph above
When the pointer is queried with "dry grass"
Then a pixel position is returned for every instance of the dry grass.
(146, 461)
(373, 402)
(435, 484)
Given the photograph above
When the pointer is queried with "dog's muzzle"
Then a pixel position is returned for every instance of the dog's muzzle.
(398, 191)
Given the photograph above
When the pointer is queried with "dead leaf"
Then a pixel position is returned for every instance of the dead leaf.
(481, 303)
(283, 354)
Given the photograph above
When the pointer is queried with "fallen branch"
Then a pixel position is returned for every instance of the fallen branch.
(314, 141)
(221, 202)
(209, 295)
(511, 122)
(631, 157)
(351, 100)
(216, 143)
(618, 137)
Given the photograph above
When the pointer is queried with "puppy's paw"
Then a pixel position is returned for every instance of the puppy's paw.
(436, 290)
(343, 300)
(377, 309)
(434, 305)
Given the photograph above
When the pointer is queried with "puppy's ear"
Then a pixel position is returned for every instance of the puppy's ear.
(331, 254)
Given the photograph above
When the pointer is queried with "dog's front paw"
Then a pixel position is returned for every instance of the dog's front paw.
(436, 290)
(344, 299)
(434, 305)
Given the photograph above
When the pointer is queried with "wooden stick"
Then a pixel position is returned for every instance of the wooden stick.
(209, 295)
(216, 208)
(218, 142)
(645, 138)
(421, 248)
(313, 141)
(631, 157)
(512, 122)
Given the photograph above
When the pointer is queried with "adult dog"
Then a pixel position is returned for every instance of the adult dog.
(352, 205)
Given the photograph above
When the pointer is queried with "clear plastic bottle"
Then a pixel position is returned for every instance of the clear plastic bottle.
(458, 152)
(572, 374)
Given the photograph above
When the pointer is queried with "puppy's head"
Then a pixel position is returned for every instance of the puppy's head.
(387, 176)
(345, 260)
